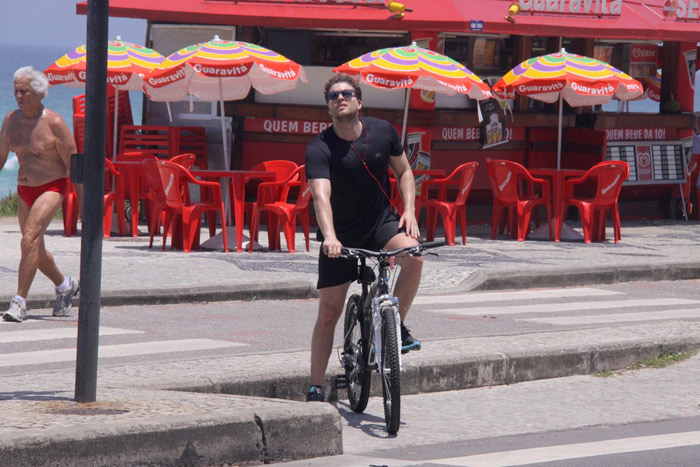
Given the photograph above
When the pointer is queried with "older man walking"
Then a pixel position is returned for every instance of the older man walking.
(43, 145)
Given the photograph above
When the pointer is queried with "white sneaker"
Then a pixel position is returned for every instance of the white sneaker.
(64, 300)
(17, 311)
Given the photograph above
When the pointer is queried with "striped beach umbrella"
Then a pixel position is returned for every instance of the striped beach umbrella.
(574, 78)
(127, 65)
(414, 67)
(221, 70)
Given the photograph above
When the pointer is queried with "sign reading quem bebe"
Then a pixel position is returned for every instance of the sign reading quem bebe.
(573, 7)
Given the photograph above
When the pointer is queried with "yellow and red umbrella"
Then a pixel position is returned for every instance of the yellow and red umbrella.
(221, 70)
(415, 67)
(577, 79)
(127, 66)
(574, 78)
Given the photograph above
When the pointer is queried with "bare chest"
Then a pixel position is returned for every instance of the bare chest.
(33, 137)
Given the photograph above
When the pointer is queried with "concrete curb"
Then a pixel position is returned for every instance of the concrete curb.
(565, 277)
(463, 373)
(260, 436)
(259, 291)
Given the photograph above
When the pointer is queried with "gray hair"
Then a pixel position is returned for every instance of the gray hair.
(37, 79)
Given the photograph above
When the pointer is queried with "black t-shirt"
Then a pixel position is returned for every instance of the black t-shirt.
(357, 200)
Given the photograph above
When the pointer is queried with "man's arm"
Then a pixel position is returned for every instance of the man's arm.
(407, 186)
(64, 139)
(321, 192)
(4, 141)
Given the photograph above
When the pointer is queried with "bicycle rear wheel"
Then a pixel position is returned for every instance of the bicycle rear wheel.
(358, 377)
(390, 371)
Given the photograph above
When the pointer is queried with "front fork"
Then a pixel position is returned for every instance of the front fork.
(379, 303)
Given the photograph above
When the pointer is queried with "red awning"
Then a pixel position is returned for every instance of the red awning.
(638, 20)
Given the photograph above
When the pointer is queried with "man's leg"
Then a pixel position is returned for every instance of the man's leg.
(330, 308)
(409, 279)
(33, 223)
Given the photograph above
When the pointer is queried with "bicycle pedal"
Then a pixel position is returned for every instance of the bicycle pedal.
(341, 381)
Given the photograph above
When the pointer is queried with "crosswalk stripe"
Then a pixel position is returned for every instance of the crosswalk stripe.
(114, 351)
(616, 318)
(477, 297)
(575, 451)
(563, 307)
(34, 335)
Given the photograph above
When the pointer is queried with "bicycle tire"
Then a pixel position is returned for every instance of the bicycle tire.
(358, 378)
(390, 371)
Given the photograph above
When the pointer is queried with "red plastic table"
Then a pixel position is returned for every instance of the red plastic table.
(557, 186)
(238, 178)
(133, 172)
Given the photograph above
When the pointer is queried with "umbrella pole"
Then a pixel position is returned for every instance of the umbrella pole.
(405, 117)
(561, 105)
(115, 136)
(223, 126)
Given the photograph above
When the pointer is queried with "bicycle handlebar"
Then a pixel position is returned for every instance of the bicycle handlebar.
(382, 254)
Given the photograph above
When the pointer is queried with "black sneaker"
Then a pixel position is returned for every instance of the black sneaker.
(315, 394)
(408, 342)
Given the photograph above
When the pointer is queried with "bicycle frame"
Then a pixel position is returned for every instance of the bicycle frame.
(374, 297)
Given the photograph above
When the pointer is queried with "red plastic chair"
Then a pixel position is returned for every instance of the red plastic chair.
(609, 176)
(172, 178)
(282, 169)
(279, 206)
(113, 200)
(451, 212)
(186, 160)
(157, 198)
(511, 184)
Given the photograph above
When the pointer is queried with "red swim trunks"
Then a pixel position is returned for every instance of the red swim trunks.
(30, 193)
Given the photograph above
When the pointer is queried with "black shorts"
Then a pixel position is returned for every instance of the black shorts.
(336, 271)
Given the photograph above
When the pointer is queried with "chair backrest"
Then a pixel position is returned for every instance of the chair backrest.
(135, 156)
(304, 197)
(185, 160)
(155, 139)
(468, 170)
(610, 176)
(282, 168)
(155, 185)
(79, 131)
(170, 179)
(191, 140)
(505, 177)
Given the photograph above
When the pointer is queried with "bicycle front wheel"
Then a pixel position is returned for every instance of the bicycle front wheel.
(358, 377)
(390, 370)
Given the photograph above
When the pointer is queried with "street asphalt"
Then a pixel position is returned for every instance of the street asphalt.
(246, 409)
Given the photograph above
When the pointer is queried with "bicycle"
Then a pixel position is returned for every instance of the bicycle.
(372, 337)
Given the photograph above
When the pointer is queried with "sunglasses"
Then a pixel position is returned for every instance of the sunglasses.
(346, 93)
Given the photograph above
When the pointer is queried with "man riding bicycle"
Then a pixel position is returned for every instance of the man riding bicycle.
(347, 168)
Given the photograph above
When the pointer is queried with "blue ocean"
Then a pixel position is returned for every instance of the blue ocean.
(60, 98)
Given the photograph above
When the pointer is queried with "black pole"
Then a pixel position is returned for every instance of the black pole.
(93, 167)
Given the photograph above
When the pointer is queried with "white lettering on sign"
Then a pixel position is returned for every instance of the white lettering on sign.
(315, 127)
(212, 71)
(163, 80)
(688, 9)
(639, 53)
(387, 82)
(635, 134)
(60, 78)
(604, 90)
(281, 126)
(577, 7)
(537, 88)
(289, 74)
(274, 125)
